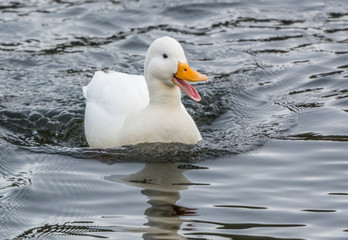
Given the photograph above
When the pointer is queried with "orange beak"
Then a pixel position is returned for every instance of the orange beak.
(185, 73)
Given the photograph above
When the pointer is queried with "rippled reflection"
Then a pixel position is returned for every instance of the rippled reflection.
(162, 185)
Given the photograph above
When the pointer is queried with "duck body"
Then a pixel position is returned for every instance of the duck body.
(110, 98)
(149, 125)
(125, 109)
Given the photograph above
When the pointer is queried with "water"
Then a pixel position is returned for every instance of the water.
(273, 163)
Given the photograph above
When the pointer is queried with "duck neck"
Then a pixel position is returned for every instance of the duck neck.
(162, 94)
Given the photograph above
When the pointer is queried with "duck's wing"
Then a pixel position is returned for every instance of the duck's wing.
(110, 97)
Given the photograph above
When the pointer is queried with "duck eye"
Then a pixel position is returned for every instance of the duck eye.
(165, 55)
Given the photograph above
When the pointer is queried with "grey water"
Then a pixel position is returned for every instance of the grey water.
(273, 163)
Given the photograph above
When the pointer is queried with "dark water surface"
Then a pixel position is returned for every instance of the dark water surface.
(274, 160)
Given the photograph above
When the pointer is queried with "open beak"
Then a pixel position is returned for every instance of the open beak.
(184, 74)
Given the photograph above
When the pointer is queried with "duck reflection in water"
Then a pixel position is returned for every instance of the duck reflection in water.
(161, 184)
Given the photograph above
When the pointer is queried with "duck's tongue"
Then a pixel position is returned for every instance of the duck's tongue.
(187, 88)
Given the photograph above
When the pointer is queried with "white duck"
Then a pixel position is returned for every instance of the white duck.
(124, 109)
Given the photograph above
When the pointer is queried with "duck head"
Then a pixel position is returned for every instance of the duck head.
(166, 67)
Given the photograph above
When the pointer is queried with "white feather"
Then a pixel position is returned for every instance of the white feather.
(110, 98)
